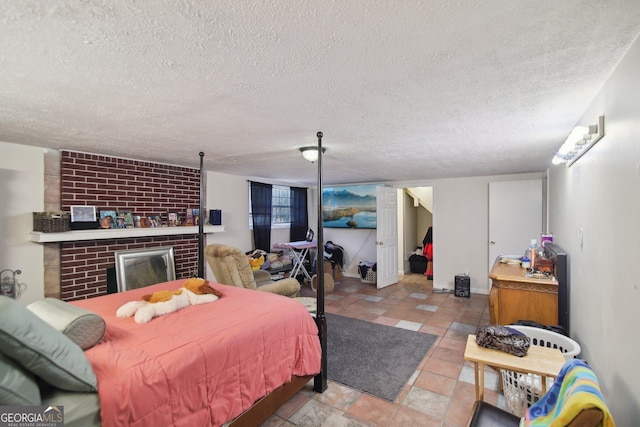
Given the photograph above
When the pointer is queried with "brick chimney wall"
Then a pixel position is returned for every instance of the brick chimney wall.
(111, 183)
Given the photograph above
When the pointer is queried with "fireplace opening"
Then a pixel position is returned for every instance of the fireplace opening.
(142, 267)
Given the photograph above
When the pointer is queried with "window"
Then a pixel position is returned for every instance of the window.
(280, 206)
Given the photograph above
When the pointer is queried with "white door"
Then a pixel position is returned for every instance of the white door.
(387, 236)
(515, 217)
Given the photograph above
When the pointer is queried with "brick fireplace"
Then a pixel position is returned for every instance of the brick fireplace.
(146, 189)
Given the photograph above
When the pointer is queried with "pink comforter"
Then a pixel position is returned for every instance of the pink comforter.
(202, 365)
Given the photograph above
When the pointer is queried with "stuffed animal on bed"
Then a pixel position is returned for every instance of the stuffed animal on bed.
(194, 291)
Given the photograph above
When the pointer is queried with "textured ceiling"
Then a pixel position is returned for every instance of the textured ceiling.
(402, 89)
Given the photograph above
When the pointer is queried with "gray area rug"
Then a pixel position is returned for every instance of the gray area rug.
(373, 358)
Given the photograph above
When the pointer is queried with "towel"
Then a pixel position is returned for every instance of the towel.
(576, 388)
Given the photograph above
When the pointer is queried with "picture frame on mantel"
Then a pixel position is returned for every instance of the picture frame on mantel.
(83, 217)
(108, 219)
(173, 219)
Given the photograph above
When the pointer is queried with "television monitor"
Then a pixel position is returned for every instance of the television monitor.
(561, 272)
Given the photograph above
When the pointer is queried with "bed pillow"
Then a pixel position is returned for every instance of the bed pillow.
(81, 326)
(42, 350)
(17, 386)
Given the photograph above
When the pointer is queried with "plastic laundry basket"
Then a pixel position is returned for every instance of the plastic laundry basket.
(523, 390)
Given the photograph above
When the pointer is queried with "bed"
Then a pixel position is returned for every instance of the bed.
(204, 365)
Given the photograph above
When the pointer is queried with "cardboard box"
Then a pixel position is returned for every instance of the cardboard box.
(336, 271)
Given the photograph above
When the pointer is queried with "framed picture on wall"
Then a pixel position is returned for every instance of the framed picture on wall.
(349, 206)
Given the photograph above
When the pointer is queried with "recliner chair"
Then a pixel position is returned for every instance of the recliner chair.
(231, 267)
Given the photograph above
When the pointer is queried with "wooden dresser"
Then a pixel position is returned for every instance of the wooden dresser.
(516, 297)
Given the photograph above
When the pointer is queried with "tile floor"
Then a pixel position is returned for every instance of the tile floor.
(441, 391)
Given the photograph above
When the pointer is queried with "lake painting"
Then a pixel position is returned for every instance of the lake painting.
(350, 206)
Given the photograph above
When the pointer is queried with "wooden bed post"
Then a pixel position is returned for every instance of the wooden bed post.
(320, 380)
(201, 222)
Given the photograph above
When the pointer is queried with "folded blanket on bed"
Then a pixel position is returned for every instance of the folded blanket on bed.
(576, 388)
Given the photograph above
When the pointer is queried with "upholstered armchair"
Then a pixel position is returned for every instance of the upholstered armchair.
(231, 267)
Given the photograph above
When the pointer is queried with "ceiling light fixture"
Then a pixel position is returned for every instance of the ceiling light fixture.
(579, 141)
(311, 153)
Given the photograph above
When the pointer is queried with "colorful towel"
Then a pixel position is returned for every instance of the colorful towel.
(576, 388)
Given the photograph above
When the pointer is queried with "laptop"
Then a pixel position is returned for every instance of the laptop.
(310, 235)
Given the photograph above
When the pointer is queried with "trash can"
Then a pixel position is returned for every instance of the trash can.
(418, 263)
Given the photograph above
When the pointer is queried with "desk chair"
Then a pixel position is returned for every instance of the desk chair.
(573, 400)
(231, 267)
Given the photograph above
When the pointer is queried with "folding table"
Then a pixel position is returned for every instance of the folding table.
(300, 250)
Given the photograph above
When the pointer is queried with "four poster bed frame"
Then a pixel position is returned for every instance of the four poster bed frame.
(267, 405)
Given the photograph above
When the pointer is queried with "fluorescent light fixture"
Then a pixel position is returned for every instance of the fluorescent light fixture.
(311, 153)
(579, 141)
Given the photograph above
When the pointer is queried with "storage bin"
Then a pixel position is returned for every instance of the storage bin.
(522, 390)
(418, 264)
(370, 277)
(51, 222)
(367, 272)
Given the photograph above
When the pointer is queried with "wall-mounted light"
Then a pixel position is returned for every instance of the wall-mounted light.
(579, 141)
(311, 153)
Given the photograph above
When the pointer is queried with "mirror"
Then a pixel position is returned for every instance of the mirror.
(143, 267)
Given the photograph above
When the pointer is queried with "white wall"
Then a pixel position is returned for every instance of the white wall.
(230, 193)
(359, 245)
(408, 230)
(21, 194)
(600, 195)
(461, 228)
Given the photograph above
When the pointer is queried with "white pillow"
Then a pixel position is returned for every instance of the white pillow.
(81, 326)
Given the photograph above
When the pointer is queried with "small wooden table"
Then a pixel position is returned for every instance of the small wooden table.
(542, 361)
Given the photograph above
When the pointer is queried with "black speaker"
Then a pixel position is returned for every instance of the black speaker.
(215, 217)
(112, 281)
(462, 285)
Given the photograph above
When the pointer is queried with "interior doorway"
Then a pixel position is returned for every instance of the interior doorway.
(414, 219)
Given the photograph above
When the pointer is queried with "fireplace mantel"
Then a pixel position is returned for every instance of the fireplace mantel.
(79, 235)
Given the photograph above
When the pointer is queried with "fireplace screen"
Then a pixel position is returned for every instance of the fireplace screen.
(140, 268)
